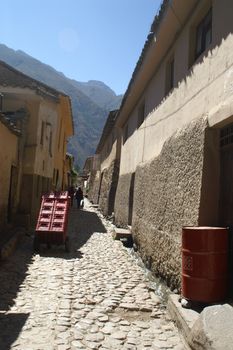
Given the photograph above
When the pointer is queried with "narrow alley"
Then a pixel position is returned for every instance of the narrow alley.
(94, 297)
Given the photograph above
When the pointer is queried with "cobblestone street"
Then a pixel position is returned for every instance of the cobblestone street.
(95, 297)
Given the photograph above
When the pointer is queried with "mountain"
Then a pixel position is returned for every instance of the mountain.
(100, 93)
(91, 101)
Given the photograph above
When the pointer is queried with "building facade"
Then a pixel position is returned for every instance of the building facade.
(44, 118)
(176, 119)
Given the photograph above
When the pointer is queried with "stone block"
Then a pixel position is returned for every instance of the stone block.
(184, 318)
(213, 330)
(122, 233)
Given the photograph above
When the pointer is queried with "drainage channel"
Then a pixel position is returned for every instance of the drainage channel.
(156, 283)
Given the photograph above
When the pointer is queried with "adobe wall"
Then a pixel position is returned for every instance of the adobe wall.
(167, 196)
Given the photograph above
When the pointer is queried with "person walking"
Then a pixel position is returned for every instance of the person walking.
(79, 197)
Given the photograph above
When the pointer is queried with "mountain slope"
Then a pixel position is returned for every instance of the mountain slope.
(91, 101)
(100, 93)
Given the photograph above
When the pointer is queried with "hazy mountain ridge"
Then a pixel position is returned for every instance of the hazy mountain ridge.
(100, 93)
(91, 101)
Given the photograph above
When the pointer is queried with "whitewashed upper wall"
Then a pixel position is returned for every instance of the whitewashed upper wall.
(204, 89)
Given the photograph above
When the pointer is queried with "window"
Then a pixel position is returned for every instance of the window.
(38, 186)
(226, 136)
(57, 178)
(170, 75)
(141, 114)
(59, 138)
(203, 34)
(42, 133)
(126, 133)
(54, 174)
(50, 143)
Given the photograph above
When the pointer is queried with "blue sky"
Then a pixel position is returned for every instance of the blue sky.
(84, 39)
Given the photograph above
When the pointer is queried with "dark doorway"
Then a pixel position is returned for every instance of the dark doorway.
(113, 188)
(131, 199)
(226, 187)
(12, 192)
(226, 176)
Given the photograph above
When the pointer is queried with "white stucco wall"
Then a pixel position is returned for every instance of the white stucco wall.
(201, 90)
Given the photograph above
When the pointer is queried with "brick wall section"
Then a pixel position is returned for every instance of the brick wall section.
(167, 197)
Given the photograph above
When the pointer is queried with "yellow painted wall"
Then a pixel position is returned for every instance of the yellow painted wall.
(46, 140)
(45, 154)
(8, 157)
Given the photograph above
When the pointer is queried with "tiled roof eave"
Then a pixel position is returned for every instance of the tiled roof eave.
(29, 82)
(9, 125)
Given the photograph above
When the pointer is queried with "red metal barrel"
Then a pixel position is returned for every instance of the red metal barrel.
(204, 263)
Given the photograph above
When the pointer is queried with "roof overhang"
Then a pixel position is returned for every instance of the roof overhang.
(165, 29)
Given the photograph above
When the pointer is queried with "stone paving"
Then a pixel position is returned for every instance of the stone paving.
(94, 297)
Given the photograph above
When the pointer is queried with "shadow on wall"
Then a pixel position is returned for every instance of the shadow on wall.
(193, 65)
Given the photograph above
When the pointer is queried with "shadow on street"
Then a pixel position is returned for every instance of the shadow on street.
(81, 226)
(12, 274)
(11, 326)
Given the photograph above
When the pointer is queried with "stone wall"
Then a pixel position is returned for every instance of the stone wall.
(94, 184)
(167, 197)
(108, 188)
(122, 207)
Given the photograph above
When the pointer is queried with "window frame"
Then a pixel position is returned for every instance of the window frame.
(203, 29)
(170, 75)
(42, 132)
(50, 142)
